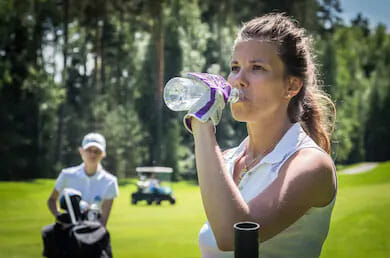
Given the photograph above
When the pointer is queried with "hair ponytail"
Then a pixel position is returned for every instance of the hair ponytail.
(317, 110)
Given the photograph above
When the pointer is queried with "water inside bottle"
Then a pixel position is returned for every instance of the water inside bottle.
(235, 95)
(181, 93)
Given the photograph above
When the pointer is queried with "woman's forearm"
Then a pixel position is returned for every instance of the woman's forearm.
(222, 201)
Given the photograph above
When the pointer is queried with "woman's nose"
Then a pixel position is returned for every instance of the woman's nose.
(239, 80)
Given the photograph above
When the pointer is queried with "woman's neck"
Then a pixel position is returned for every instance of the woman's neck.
(90, 169)
(265, 135)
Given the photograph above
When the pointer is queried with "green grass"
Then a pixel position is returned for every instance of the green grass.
(342, 167)
(136, 231)
(359, 226)
(360, 222)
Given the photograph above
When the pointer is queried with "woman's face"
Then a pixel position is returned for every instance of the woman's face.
(258, 71)
(92, 155)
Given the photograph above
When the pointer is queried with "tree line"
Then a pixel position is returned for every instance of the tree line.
(70, 67)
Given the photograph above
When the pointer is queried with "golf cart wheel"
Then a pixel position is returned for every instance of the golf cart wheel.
(158, 202)
(150, 201)
(172, 201)
(134, 201)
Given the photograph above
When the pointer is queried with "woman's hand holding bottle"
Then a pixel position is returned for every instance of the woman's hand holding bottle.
(206, 94)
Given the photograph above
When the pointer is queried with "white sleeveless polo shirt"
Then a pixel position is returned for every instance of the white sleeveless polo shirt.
(305, 237)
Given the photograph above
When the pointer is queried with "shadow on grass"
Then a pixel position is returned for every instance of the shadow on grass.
(133, 181)
(36, 181)
(127, 181)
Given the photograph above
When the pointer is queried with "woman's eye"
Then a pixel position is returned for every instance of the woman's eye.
(234, 68)
(258, 68)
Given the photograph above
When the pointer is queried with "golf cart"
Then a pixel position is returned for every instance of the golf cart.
(149, 186)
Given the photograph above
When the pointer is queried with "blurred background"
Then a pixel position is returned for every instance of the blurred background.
(70, 67)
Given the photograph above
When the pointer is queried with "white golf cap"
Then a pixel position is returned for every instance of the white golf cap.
(94, 139)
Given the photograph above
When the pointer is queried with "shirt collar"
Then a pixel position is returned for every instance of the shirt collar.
(97, 175)
(289, 141)
(240, 149)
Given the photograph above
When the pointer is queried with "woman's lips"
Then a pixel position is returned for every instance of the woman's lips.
(243, 97)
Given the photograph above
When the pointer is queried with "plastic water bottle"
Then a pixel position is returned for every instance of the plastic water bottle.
(93, 212)
(181, 93)
(84, 206)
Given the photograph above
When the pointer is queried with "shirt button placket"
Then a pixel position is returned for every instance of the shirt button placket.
(88, 188)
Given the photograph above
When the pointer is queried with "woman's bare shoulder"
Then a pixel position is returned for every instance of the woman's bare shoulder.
(314, 170)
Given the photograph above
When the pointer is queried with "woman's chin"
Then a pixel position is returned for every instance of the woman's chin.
(239, 112)
(239, 116)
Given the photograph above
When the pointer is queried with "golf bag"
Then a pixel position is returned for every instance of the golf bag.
(74, 236)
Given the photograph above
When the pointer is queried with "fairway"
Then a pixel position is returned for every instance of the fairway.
(360, 220)
(359, 226)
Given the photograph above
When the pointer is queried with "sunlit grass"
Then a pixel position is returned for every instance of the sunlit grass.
(360, 222)
(359, 226)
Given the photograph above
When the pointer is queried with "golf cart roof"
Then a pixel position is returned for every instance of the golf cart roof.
(154, 170)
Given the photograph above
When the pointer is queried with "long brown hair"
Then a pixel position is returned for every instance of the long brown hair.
(311, 106)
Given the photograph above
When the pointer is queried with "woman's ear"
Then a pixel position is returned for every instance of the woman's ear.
(294, 85)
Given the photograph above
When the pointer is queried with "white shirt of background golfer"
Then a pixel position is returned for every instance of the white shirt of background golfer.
(96, 185)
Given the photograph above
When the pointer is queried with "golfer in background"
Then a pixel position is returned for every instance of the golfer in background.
(97, 186)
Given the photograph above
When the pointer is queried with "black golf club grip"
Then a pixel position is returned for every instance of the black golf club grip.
(246, 243)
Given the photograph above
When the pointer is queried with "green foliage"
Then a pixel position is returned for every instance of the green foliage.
(110, 84)
(119, 126)
(48, 95)
(193, 35)
(352, 79)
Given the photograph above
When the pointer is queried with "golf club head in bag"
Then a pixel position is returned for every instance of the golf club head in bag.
(70, 201)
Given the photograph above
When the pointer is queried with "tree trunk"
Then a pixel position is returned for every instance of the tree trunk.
(61, 110)
(102, 64)
(158, 36)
